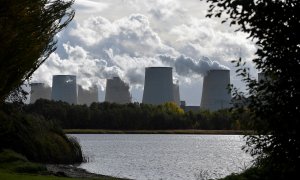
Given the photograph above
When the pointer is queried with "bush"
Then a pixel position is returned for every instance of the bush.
(38, 140)
(12, 161)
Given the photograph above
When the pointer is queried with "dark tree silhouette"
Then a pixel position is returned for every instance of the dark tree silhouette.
(27, 30)
(274, 25)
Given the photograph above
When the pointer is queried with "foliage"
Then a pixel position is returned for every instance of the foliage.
(133, 116)
(27, 30)
(171, 107)
(13, 162)
(274, 27)
(7, 156)
(36, 139)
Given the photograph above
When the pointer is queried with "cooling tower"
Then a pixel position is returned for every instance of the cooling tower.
(87, 96)
(261, 76)
(215, 93)
(158, 87)
(64, 88)
(176, 94)
(39, 91)
(117, 91)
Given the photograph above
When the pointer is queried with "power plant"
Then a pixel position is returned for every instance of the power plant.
(117, 91)
(215, 94)
(87, 96)
(158, 87)
(261, 76)
(176, 94)
(64, 88)
(39, 91)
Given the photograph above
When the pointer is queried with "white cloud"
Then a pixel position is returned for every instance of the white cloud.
(163, 9)
(118, 37)
(206, 37)
(89, 6)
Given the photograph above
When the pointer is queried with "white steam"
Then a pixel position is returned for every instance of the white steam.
(98, 48)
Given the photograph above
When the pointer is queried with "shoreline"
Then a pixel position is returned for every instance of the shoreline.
(72, 171)
(179, 131)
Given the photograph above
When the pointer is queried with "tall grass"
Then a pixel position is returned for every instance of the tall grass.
(39, 140)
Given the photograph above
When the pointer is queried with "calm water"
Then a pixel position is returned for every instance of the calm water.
(163, 156)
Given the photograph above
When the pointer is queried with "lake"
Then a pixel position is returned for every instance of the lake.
(158, 156)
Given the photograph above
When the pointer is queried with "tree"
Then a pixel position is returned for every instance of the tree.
(274, 26)
(27, 30)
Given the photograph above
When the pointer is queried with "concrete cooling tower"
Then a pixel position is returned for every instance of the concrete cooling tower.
(39, 91)
(158, 87)
(176, 94)
(261, 76)
(215, 94)
(117, 91)
(87, 96)
(64, 88)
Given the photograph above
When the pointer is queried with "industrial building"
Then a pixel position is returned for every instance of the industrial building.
(39, 91)
(261, 76)
(189, 108)
(158, 87)
(117, 91)
(64, 88)
(215, 93)
(87, 96)
(176, 94)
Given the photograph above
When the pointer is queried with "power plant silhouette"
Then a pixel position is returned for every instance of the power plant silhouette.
(87, 96)
(117, 91)
(261, 76)
(38, 91)
(64, 88)
(158, 89)
(176, 94)
(215, 93)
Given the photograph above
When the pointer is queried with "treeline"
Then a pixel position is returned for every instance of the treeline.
(135, 116)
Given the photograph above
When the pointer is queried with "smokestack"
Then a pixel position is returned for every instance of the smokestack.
(87, 96)
(215, 94)
(117, 91)
(64, 88)
(176, 94)
(39, 91)
(158, 87)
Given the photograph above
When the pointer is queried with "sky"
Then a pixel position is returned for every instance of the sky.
(110, 38)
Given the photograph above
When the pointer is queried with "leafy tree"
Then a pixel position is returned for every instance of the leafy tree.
(274, 25)
(27, 30)
(172, 107)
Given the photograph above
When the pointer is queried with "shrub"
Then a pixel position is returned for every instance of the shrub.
(37, 139)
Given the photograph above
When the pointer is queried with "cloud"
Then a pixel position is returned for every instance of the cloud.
(207, 37)
(186, 66)
(89, 6)
(97, 48)
(163, 9)
(89, 71)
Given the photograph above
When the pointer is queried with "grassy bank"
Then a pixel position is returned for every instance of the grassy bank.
(185, 131)
(17, 176)
(14, 176)
(14, 166)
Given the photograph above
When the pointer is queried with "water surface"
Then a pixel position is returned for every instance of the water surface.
(148, 156)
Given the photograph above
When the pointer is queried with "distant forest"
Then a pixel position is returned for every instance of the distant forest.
(134, 116)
